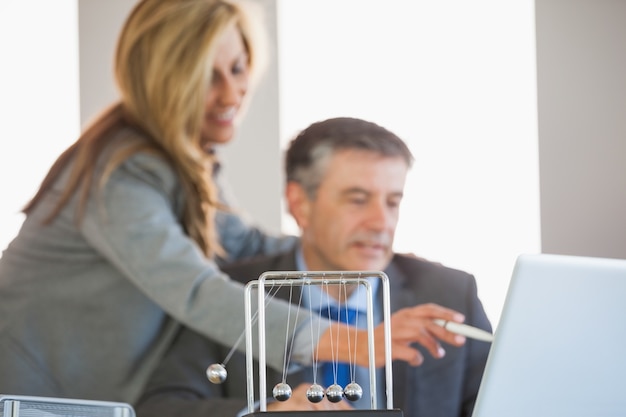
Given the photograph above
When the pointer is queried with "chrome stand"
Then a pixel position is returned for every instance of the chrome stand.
(299, 278)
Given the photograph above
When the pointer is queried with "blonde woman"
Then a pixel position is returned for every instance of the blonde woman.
(119, 243)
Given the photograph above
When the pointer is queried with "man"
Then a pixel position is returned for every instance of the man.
(345, 181)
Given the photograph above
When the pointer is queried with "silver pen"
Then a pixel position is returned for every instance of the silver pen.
(465, 330)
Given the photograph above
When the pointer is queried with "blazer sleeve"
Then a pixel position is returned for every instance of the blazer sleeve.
(239, 237)
(133, 223)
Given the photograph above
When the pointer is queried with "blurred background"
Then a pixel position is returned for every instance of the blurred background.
(515, 112)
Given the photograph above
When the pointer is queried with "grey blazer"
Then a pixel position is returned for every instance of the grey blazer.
(87, 310)
(444, 387)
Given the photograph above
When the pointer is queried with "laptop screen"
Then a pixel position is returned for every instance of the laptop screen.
(560, 345)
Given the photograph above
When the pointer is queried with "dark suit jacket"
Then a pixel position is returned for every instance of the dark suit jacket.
(444, 387)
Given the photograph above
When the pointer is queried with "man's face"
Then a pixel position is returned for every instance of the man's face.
(351, 223)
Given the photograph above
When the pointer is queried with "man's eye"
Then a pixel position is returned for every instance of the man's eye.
(357, 201)
(393, 203)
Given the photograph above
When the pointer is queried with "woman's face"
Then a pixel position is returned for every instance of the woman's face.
(228, 88)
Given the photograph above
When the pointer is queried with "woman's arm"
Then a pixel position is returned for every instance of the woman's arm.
(135, 225)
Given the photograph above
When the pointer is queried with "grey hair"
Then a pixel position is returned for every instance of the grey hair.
(310, 176)
(309, 153)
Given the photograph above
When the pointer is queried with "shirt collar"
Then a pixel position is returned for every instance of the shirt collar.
(314, 297)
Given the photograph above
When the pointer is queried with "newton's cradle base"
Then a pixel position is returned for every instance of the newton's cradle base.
(335, 413)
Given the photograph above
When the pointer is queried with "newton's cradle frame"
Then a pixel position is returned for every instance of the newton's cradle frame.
(298, 278)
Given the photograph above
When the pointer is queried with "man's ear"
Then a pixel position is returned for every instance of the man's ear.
(298, 203)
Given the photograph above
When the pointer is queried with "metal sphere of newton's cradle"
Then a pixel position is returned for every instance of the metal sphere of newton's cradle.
(282, 391)
(334, 393)
(216, 373)
(353, 391)
(315, 393)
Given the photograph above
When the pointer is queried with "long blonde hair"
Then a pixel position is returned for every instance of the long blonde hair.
(163, 68)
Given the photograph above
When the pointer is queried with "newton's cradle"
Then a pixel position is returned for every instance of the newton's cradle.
(216, 373)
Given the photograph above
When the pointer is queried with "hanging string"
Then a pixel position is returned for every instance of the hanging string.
(315, 393)
(282, 391)
(339, 299)
(315, 351)
(268, 298)
(353, 355)
(334, 347)
(352, 391)
(293, 335)
(216, 373)
(287, 336)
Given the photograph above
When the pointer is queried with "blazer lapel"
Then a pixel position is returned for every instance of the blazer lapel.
(399, 298)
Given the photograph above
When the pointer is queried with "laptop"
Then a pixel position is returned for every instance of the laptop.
(560, 345)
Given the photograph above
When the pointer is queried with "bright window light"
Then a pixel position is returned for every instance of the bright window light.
(456, 80)
(39, 102)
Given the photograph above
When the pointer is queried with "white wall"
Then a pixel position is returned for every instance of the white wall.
(253, 161)
(99, 23)
(581, 57)
(463, 100)
(38, 98)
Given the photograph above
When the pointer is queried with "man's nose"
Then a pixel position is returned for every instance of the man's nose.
(380, 217)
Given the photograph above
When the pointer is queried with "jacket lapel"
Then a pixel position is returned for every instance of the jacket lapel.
(399, 298)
